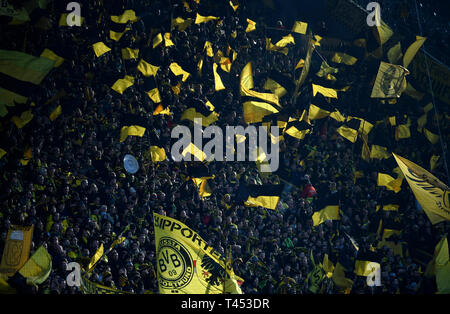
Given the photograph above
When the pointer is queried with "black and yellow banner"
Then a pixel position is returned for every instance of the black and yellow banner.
(187, 264)
(430, 192)
(20, 73)
(17, 249)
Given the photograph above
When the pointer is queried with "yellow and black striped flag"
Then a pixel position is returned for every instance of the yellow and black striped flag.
(20, 74)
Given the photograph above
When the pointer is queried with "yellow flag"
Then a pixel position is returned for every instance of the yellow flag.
(387, 233)
(275, 88)
(327, 92)
(365, 268)
(412, 92)
(299, 27)
(300, 64)
(328, 266)
(433, 161)
(389, 182)
(27, 155)
(402, 131)
(379, 152)
(348, 133)
(336, 115)
(339, 278)
(390, 81)
(191, 114)
(157, 154)
(178, 70)
(247, 77)
(122, 84)
(167, 41)
(127, 16)
(157, 40)
(98, 254)
(255, 111)
(100, 48)
(160, 110)
(154, 95)
(181, 24)
(316, 113)
(2, 153)
(340, 57)
(412, 50)
(116, 36)
(37, 269)
(395, 53)
(270, 98)
(234, 6)
(63, 20)
(432, 194)
(442, 267)
(117, 242)
(218, 85)
(285, 40)
(327, 71)
(200, 65)
(202, 19)
(295, 132)
(147, 69)
(328, 213)
(23, 120)
(209, 49)
(128, 53)
(433, 138)
(251, 26)
(195, 152)
(225, 64)
(388, 207)
(203, 188)
(55, 113)
(49, 54)
(133, 130)
(384, 32)
(271, 47)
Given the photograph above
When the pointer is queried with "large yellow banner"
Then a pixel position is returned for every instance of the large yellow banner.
(187, 264)
(431, 193)
(17, 249)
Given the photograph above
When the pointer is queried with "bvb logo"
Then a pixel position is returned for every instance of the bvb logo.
(174, 264)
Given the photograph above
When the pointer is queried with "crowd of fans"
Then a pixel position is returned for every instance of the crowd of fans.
(77, 194)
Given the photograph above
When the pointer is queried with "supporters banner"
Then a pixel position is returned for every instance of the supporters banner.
(431, 193)
(187, 264)
(17, 249)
